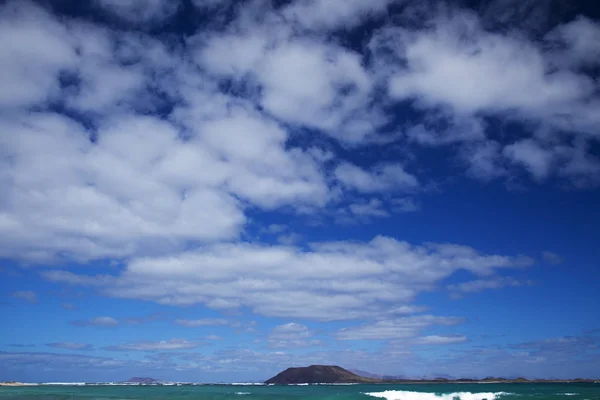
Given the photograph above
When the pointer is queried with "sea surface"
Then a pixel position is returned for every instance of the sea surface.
(498, 391)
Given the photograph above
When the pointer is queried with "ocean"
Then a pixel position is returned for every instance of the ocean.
(497, 391)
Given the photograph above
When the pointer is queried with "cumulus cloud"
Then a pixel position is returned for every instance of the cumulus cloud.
(122, 145)
(385, 177)
(336, 280)
(534, 158)
(131, 183)
(173, 344)
(334, 14)
(140, 11)
(302, 81)
(443, 59)
(25, 295)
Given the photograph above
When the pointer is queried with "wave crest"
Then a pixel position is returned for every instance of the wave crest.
(406, 395)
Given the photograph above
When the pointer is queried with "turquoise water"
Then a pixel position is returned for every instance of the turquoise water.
(529, 391)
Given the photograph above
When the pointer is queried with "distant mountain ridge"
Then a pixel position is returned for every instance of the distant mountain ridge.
(336, 374)
(366, 374)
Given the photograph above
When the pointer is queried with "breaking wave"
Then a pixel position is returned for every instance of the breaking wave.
(406, 395)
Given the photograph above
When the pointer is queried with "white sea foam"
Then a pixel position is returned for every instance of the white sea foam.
(242, 393)
(64, 383)
(245, 384)
(337, 384)
(568, 394)
(406, 395)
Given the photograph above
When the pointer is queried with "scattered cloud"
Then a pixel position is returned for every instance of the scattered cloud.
(140, 11)
(69, 306)
(374, 208)
(173, 344)
(405, 205)
(384, 177)
(439, 339)
(330, 281)
(61, 362)
(202, 322)
(405, 327)
(441, 59)
(106, 322)
(71, 346)
(291, 335)
(476, 286)
(25, 295)
(334, 14)
(161, 152)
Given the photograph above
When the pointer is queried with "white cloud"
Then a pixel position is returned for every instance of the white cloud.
(440, 339)
(336, 280)
(140, 11)
(406, 327)
(537, 160)
(443, 69)
(163, 345)
(209, 4)
(384, 177)
(35, 48)
(479, 285)
(334, 14)
(132, 184)
(291, 335)
(25, 295)
(374, 208)
(455, 130)
(448, 64)
(300, 81)
(579, 42)
(484, 160)
(71, 346)
(405, 205)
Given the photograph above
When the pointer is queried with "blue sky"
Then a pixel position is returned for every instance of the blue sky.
(215, 190)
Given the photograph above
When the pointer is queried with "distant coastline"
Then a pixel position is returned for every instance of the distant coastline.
(312, 375)
(333, 374)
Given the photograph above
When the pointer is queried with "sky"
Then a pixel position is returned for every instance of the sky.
(216, 190)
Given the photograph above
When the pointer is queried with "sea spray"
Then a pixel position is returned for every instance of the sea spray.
(407, 395)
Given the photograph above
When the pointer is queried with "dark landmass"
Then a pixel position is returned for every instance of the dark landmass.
(336, 374)
(318, 374)
(142, 381)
